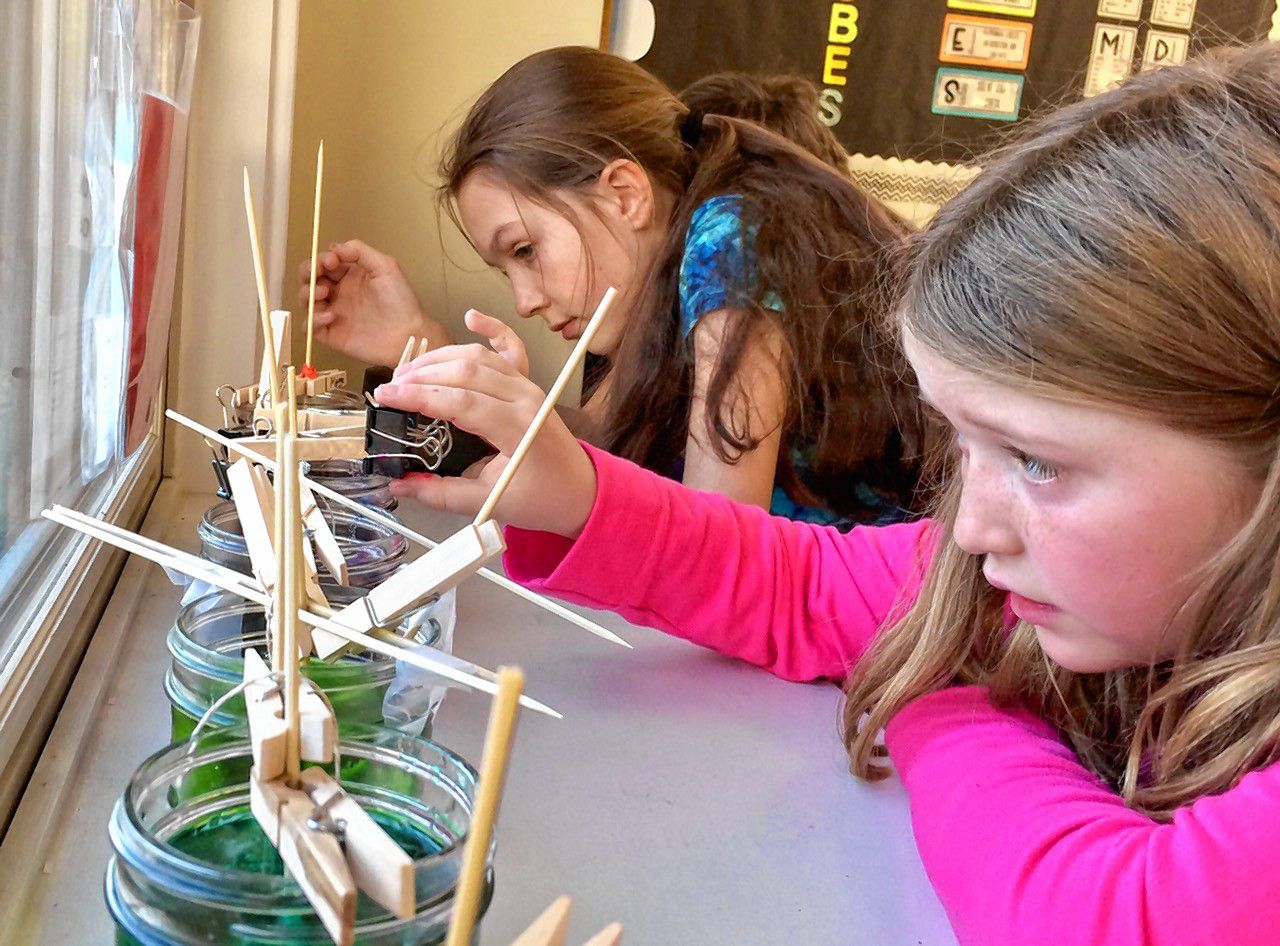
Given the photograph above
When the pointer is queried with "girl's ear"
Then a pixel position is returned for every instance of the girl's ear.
(624, 185)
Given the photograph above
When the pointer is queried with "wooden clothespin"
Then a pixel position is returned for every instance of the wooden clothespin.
(453, 560)
(552, 928)
(268, 732)
(311, 852)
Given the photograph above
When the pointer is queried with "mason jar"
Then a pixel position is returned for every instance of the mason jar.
(192, 866)
(348, 478)
(372, 551)
(207, 644)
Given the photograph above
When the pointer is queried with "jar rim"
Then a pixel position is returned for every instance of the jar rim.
(142, 849)
(184, 648)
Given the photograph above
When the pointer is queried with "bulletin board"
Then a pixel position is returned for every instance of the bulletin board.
(916, 89)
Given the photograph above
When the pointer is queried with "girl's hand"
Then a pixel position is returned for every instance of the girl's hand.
(481, 392)
(365, 306)
(502, 339)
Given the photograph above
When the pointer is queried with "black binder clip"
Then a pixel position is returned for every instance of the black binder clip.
(399, 442)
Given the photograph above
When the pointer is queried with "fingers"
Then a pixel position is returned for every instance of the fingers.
(474, 352)
(497, 421)
(362, 254)
(502, 338)
(448, 493)
(469, 376)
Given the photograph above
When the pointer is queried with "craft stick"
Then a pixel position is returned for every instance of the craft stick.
(379, 865)
(221, 577)
(260, 275)
(547, 406)
(550, 928)
(611, 935)
(307, 370)
(424, 346)
(401, 529)
(493, 772)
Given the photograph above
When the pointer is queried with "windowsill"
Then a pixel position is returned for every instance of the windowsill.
(691, 798)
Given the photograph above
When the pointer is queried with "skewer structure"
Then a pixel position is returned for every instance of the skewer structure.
(327, 841)
(467, 550)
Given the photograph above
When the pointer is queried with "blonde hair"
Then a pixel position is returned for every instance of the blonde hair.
(1124, 252)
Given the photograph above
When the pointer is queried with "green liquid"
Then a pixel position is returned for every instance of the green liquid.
(231, 839)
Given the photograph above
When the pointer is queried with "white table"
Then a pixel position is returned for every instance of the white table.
(692, 798)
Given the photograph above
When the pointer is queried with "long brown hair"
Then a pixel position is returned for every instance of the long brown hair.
(785, 104)
(555, 119)
(1123, 252)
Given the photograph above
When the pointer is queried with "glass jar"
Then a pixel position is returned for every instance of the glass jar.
(373, 552)
(191, 866)
(348, 478)
(208, 640)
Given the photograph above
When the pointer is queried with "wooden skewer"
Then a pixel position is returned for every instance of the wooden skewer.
(288, 588)
(307, 370)
(221, 577)
(548, 405)
(407, 354)
(493, 772)
(401, 529)
(264, 308)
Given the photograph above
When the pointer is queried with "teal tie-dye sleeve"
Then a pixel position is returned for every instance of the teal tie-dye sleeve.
(718, 268)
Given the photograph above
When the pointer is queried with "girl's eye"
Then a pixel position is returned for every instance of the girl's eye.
(1036, 469)
(523, 251)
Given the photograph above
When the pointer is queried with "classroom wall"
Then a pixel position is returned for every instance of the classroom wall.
(383, 82)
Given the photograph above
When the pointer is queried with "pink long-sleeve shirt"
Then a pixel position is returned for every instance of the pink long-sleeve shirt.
(1023, 844)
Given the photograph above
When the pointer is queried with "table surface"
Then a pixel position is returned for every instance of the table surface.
(692, 798)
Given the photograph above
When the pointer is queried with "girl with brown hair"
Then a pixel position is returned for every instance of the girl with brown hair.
(1076, 662)
(747, 353)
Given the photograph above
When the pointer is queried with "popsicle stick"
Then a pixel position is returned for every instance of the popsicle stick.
(424, 346)
(548, 405)
(493, 772)
(307, 370)
(401, 529)
(259, 273)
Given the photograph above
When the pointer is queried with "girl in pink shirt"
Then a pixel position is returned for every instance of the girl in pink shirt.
(1076, 662)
